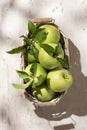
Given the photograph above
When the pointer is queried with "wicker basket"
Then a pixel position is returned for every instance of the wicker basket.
(64, 42)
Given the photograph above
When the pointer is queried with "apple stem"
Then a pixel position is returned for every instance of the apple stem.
(65, 76)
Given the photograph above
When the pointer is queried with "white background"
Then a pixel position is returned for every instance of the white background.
(16, 112)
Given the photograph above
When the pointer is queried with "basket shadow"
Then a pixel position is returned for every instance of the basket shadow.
(75, 101)
(64, 127)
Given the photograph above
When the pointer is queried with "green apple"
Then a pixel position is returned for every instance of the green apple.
(52, 34)
(59, 80)
(50, 61)
(43, 93)
(31, 58)
(37, 73)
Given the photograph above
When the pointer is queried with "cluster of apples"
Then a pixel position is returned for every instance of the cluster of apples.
(46, 74)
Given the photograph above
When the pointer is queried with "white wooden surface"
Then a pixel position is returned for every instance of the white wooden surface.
(16, 112)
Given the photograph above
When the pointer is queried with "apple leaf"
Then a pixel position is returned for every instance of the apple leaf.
(39, 35)
(20, 48)
(32, 50)
(31, 27)
(58, 48)
(63, 62)
(33, 68)
(16, 50)
(47, 48)
(22, 86)
(22, 74)
(25, 39)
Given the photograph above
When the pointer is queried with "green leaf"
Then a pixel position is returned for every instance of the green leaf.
(23, 36)
(63, 62)
(32, 50)
(22, 74)
(47, 48)
(16, 50)
(25, 39)
(31, 27)
(40, 35)
(58, 48)
(22, 86)
(33, 68)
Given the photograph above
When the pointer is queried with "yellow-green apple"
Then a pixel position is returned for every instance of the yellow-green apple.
(37, 73)
(59, 80)
(43, 93)
(53, 35)
(51, 61)
(31, 58)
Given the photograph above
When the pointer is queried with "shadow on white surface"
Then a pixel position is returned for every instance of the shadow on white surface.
(6, 119)
(13, 19)
(75, 101)
(64, 127)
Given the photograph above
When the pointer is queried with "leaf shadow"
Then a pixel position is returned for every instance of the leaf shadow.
(9, 6)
